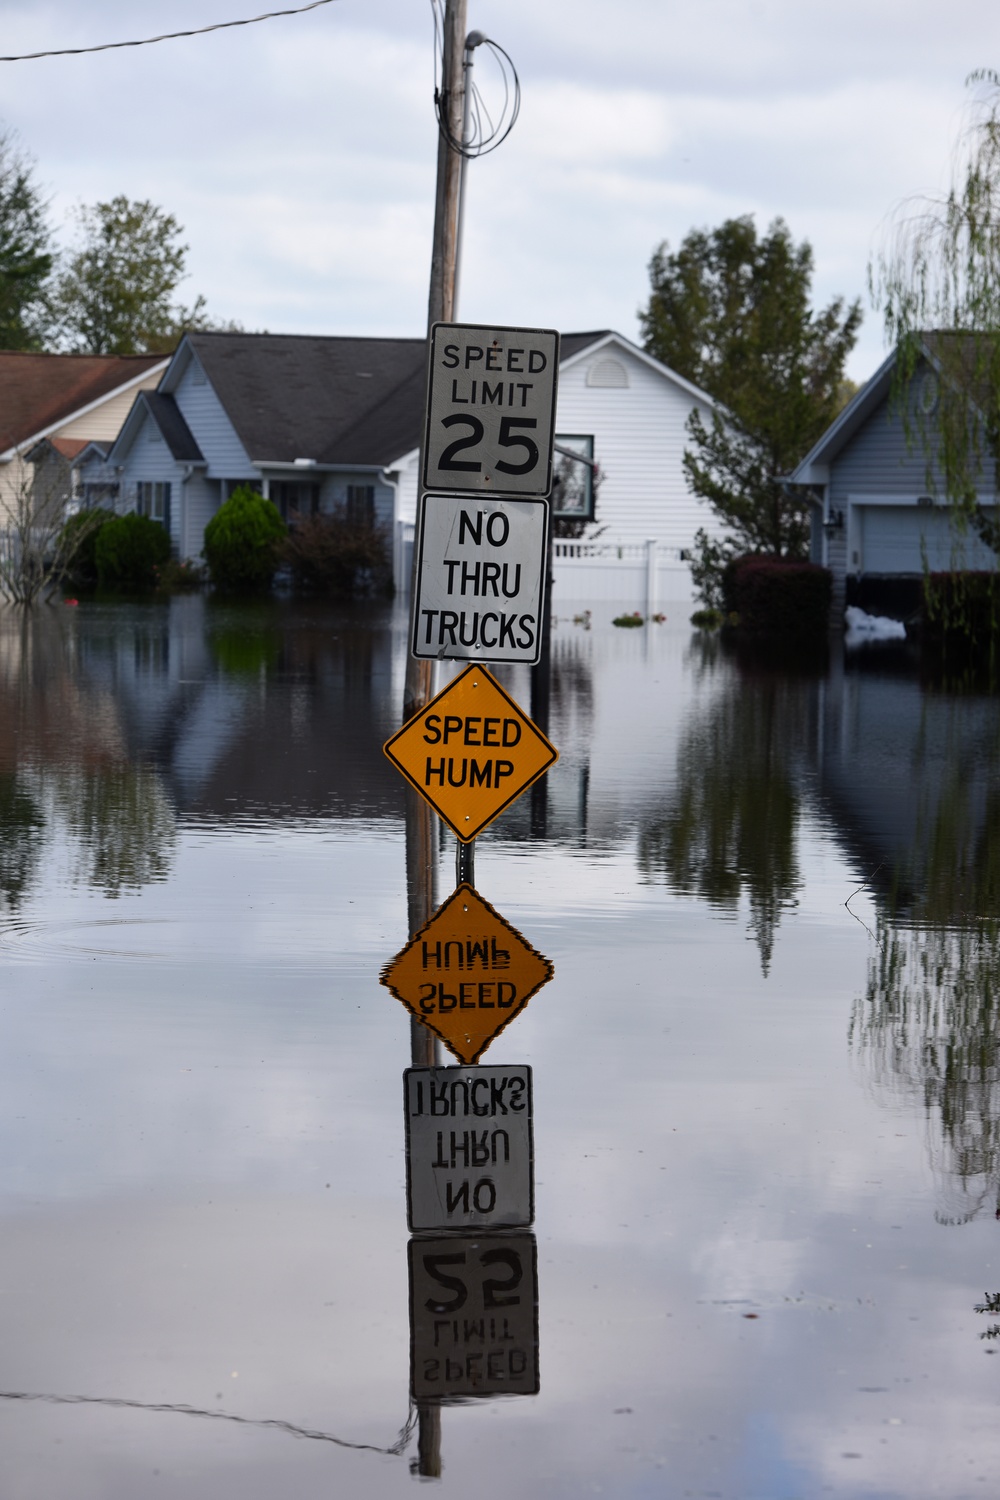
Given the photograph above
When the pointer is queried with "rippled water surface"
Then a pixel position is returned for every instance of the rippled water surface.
(765, 1074)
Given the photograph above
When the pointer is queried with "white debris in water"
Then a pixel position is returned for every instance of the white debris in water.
(862, 628)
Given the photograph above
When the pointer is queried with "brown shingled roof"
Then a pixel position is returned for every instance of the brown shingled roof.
(38, 391)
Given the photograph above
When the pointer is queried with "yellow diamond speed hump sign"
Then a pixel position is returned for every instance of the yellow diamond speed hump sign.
(471, 752)
(467, 974)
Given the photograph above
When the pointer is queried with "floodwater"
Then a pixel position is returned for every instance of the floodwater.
(766, 1097)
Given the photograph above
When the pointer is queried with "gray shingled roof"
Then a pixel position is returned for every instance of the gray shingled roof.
(176, 433)
(294, 396)
(336, 400)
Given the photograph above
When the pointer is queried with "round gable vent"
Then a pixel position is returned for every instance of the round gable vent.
(610, 373)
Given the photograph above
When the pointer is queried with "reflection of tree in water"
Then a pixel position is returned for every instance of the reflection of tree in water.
(929, 1022)
(124, 823)
(731, 828)
(928, 1026)
(21, 832)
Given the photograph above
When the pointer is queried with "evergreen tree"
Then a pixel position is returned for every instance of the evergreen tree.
(25, 258)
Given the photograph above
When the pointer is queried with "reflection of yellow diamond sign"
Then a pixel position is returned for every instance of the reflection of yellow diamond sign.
(471, 752)
(467, 974)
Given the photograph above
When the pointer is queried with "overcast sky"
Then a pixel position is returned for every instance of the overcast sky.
(299, 154)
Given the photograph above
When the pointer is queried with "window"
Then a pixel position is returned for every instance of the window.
(294, 497)
(360, 506)
(573, 482)
(152, 499)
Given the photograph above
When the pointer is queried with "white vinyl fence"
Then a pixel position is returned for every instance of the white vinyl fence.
(641, 575)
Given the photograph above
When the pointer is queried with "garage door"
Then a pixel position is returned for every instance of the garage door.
(896, 538)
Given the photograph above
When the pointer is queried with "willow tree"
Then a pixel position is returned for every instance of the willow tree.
(936, 280)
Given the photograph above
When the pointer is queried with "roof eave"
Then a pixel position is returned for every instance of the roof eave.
(612, 337)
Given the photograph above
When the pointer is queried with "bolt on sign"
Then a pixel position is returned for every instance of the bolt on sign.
(491, 404)
(469, 1154)
(471, 752)
(473, 1316)
(479, 578)
(466, 974)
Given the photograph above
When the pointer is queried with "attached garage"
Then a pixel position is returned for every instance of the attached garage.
(901, 538)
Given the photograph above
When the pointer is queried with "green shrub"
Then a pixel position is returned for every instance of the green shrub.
(335, 556)
(78, 546)
(128, 551)
(628, 622)
(777, 597)
(241, 543)
(708, 619)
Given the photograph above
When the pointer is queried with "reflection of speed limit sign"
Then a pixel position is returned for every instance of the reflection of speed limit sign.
(491, 401)
(473, 1316)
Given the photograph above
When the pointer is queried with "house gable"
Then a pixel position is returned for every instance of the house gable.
(637, 413)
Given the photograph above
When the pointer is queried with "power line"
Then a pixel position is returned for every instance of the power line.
(169, 36)
(484, 135)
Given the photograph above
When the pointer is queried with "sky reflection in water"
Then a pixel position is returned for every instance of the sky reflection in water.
(767, 1125)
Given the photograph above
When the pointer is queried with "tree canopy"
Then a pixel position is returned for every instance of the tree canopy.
(115, 294)
(730, 310)
(937, 273)
(25, 256)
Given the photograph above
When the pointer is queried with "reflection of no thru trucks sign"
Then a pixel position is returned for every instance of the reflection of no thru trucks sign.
(468, 1147)
(490, 409)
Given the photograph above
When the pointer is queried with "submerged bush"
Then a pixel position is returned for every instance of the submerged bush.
(778, 597)
(128, 551)
(241, 543)
(336, 556)
(179, 577)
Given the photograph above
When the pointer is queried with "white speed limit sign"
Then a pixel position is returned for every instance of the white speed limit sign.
(491, 403)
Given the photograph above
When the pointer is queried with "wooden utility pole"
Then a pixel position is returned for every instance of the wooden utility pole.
(419, 687)
(421, 823)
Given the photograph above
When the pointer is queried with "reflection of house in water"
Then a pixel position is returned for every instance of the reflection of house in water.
(909, 781)
(258, 706)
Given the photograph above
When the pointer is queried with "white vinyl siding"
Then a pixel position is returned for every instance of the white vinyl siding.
(639, 439)
(215, 435)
